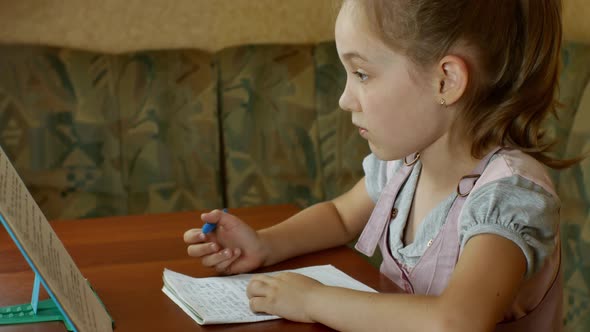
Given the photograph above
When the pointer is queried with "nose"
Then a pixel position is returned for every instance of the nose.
(347, 101)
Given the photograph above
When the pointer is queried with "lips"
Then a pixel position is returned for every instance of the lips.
(362, 131)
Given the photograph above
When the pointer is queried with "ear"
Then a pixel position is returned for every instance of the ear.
(453, 76)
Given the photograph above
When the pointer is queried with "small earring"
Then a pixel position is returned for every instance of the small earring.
(443, 102)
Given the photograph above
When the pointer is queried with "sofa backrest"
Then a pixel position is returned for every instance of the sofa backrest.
(95, 135)
(573, 186)
(159, 131)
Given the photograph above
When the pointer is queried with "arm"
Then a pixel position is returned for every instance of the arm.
(235, 247)
(474, 300)
(318, 227)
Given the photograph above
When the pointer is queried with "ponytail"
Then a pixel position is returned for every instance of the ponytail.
(527, 86)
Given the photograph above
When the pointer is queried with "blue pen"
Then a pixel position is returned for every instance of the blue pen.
(208, 227)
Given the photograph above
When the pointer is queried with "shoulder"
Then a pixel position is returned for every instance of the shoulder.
(515, 179)
(509, 163)
(514, 198)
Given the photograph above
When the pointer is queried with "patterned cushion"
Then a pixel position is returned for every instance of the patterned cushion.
(574, 75)
(167, 103)
(574, 190)
(270, 128)
(285, 138)
(58, 126)
(342, 149)
(85, 130)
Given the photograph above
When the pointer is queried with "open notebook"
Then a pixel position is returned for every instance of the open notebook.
(222, 300)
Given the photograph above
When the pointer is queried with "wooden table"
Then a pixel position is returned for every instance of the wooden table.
(124, 258)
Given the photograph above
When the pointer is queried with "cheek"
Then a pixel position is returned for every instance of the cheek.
(397, 114)
(388, 106)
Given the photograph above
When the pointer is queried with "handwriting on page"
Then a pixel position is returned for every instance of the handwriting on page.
(217, 299)
(47, 253)
(223, 299)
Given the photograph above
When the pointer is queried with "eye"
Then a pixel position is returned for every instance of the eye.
(362, 76)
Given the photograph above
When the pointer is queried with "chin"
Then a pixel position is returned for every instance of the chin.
(384, 154)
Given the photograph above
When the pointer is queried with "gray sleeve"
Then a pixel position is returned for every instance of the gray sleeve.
(518, 210)
(375, 175)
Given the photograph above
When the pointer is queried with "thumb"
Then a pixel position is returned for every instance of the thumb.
(222, 219)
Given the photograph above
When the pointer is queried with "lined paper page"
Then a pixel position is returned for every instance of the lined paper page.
(218, 300)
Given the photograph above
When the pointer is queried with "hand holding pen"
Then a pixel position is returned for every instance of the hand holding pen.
(225, 243)
(210, 227)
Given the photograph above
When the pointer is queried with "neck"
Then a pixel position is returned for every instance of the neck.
(446, 161)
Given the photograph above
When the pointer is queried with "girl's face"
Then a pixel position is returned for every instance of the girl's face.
(395, 109)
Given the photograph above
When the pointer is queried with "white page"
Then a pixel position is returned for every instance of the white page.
(217, 300)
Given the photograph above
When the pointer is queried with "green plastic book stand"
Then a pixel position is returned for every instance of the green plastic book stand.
(37, 311)
(46, 311)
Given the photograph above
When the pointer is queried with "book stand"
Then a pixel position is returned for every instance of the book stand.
(35, 312)
(71, 298)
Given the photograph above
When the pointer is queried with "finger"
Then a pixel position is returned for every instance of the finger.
(218, 257)
(194, 236)
(211, 216)
(223, 219)
(225, 267)
(259, 285)
(258, 304)
(203, 249)
(255, 288)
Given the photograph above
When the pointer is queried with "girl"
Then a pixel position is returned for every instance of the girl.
(467, 229)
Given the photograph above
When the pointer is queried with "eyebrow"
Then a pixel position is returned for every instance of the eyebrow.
(353, 55)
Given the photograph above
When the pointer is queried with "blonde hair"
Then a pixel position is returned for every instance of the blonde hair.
(517, 46)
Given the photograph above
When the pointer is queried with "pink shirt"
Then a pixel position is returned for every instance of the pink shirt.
(538, 305)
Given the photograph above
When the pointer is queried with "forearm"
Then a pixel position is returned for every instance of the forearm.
(475, 299)
(315, 228)
(349, 310)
